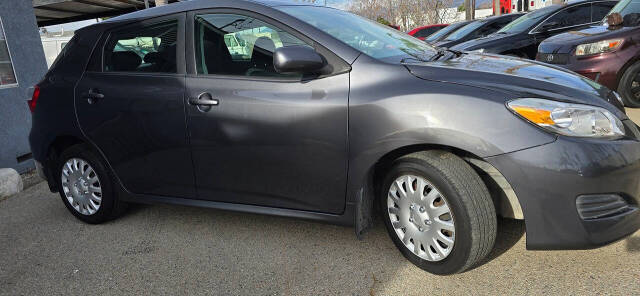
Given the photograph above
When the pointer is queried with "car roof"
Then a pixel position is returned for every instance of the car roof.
(204, 4)
(495, 17)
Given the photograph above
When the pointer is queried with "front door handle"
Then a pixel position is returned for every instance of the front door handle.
(204, 99)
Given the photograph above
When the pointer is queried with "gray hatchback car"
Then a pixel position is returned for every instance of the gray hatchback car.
(315, 113)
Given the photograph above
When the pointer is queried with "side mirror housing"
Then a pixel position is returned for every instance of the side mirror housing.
(298, 59)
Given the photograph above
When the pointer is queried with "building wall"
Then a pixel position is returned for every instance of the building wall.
(29, 64)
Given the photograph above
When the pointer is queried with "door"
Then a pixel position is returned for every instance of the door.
(259, 137)
(130, 104)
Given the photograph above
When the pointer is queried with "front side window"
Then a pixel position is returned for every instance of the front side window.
(527, 21)
(600, 9)
(7, 74)
(464, 31)
(231, 44)
(148, 49)
(626, 7)
(572, 16)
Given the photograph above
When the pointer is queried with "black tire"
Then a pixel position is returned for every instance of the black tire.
(626, 84)
(468, 199)
(110, 205)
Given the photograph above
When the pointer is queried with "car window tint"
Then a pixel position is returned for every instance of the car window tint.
(465, 31)
(600, 9)
(426, 32)
(494, 27)
(147, 49)
(445, 31)
(572, 16)
(231, 44)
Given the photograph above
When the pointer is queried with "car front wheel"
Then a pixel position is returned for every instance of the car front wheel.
(438, 212)
(629, 87)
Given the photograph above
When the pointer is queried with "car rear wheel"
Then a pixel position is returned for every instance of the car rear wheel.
(86, 186)
(438, 212)
(629, 87)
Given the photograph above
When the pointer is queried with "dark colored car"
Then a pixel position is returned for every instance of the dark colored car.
(606, 54)
(437, 143)
(477, 29)
(521, 37)
(424, 31)
(444, 32)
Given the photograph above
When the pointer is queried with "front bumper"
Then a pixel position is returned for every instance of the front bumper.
(548, 180)
(602, 68)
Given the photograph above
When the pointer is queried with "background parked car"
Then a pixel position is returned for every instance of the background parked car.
(478, 29)
(522, 37)
(424, 31)
(444, 32)
(606, 54)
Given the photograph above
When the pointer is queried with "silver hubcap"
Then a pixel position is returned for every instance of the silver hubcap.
(421, 217)
(81, 186)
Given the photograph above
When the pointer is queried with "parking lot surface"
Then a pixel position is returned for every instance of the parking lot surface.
(161, 249)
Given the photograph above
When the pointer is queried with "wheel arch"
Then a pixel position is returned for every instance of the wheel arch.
(58, 145)
(504, 197)
(624, 68)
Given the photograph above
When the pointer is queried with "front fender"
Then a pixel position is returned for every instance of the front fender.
(396, 109)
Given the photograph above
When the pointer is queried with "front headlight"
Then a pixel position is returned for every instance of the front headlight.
(598, 47)
(574, 120)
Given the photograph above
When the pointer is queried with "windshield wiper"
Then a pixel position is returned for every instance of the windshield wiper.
(442, 51)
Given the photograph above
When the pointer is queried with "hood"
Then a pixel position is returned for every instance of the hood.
(485, 42)
(518, 78)
(566, 42)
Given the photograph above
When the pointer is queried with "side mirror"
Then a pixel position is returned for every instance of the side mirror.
(549, 26)
(298, 59)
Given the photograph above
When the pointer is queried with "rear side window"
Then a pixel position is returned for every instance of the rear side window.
(572, 16)
(231, 44)
(143, 49)
(427, 31)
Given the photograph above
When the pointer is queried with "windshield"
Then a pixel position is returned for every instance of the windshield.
(444, 32)
(527, 21)
(625, 7)
(464, 31)
(376, 40)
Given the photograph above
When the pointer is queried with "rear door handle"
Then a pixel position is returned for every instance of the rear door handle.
(204, 102)
(93, 95)
(204, 99)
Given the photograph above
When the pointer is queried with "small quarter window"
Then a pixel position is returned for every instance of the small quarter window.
(7, 74)
(147, 49)
(230, 44)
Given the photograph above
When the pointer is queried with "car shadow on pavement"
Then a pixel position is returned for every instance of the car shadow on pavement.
(633, 244)
(510, 231)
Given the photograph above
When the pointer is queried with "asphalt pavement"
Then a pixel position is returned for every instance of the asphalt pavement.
(173, 250)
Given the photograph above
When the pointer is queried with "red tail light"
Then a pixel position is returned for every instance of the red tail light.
(34, 98)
